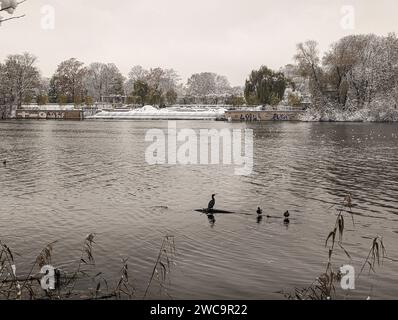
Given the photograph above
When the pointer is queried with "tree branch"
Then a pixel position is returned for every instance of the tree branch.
(11, 7)
(12, 18)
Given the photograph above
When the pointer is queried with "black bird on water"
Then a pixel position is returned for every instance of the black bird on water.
(259, 211)
(286, 214)
(212, 202)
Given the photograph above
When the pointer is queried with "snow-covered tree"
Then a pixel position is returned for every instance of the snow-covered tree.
(309, 66)
(9, 7)
(362, 68)
(162, 79)
(223, 87)
(359, 72)
(155, 86)
(19, 78)
(202, 84)
(41, 91)
(67, 83)
(137, 73)
(208, 87)
(3, 88)
(103, 80)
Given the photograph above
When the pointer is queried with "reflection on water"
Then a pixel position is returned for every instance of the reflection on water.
(212, 220)
(63, 180)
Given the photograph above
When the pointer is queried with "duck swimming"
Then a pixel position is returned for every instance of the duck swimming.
(286, 214)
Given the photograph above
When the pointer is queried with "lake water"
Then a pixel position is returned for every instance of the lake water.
(64, 180)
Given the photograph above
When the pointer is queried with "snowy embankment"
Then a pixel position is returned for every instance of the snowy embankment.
(363, 115)
(151, 113)
(47, 107)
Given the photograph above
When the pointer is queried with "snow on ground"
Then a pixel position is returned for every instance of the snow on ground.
(173, 113)
(363, 115)
(47, 107)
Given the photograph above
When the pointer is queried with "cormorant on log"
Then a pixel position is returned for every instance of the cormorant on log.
(212, 202)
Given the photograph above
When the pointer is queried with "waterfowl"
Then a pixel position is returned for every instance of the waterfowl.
(259, 211)
(212, 202)
(286, 214)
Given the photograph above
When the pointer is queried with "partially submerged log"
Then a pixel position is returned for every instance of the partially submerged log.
(212, 211)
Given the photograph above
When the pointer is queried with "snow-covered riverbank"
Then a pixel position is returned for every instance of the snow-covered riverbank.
(151, 113)
(363, 115)
(375, 114)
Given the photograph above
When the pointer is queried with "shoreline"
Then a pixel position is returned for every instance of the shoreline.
(201, 112)
(215, 120)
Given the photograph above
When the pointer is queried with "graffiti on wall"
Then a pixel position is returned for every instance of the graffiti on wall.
(280, 117)
(40, 114)
(50, 114)
(256, 117)
(250, 117)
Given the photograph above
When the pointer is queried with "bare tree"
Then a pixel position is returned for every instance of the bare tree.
(308, 61)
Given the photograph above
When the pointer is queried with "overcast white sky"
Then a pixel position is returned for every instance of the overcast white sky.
(230, 37)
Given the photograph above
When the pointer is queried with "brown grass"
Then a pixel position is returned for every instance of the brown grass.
(324, 286)
(28, 286)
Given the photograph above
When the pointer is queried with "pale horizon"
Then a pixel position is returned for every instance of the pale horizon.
(230, 38)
